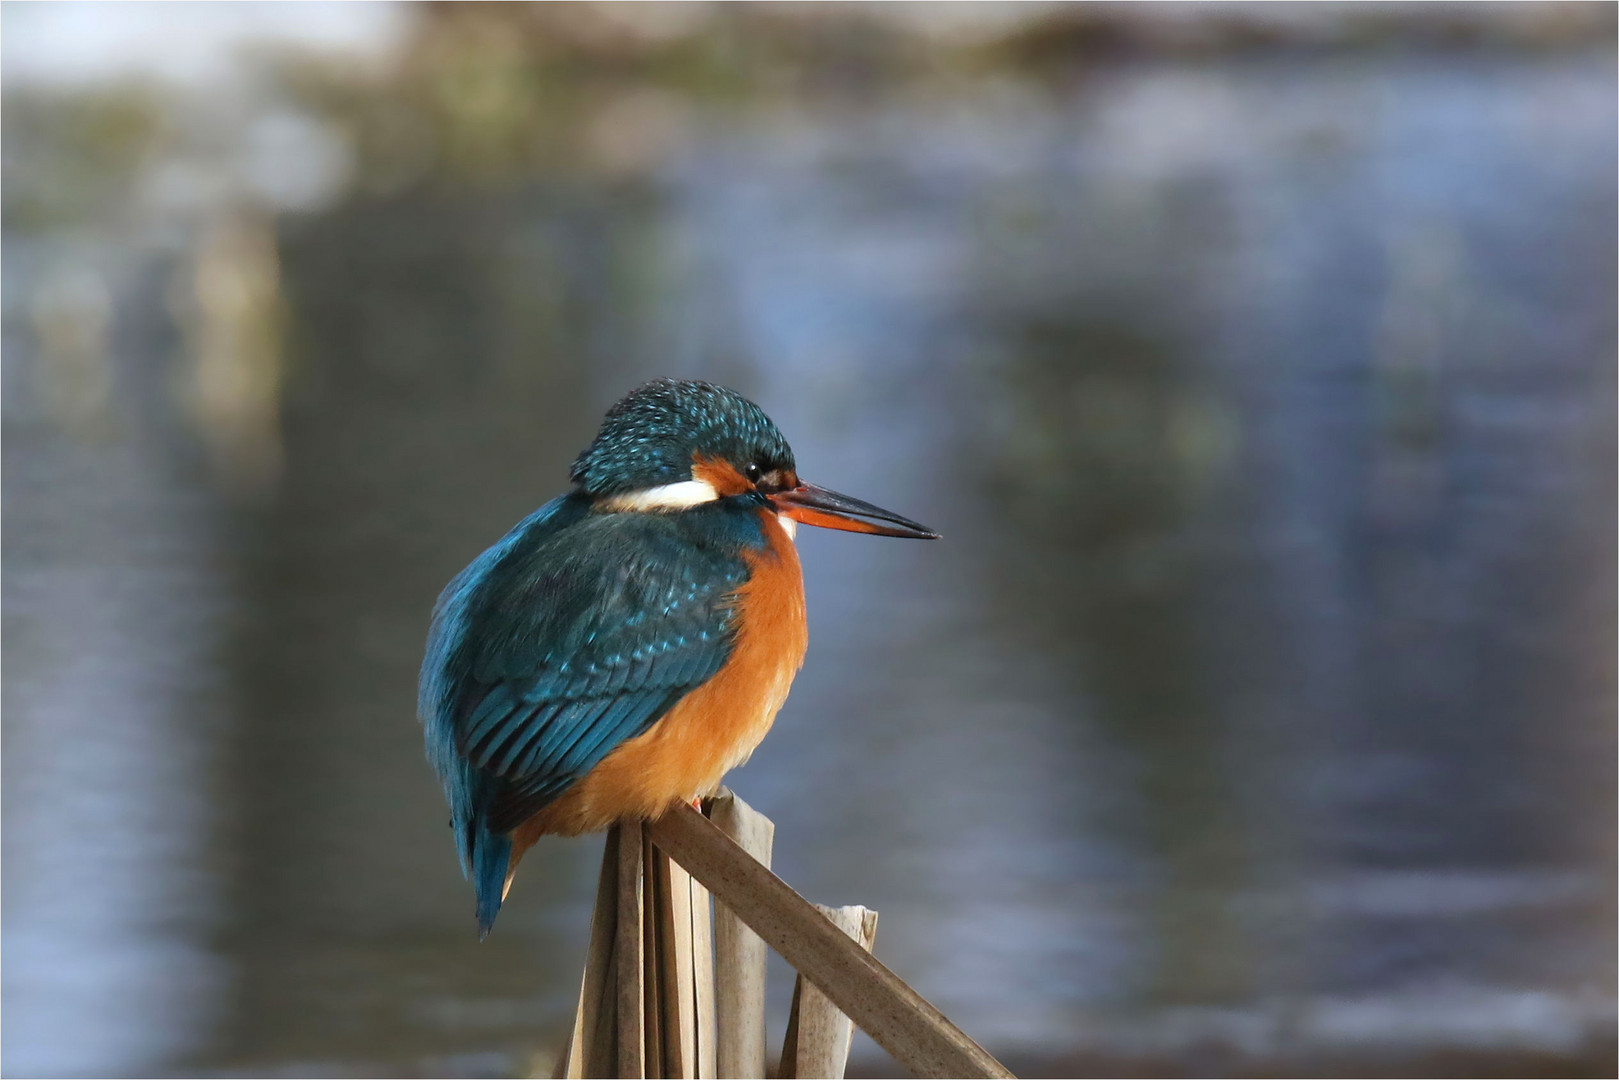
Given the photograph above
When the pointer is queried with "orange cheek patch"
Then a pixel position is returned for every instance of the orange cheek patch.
(719, 475)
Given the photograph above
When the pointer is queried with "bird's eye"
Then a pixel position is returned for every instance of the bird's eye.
(753, 472)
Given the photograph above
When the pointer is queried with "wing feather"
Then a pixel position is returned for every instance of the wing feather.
(576, 632)
(491, 714)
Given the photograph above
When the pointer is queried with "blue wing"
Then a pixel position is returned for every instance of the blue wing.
(575, 632)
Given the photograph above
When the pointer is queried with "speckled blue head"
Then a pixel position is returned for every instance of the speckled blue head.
(651, 437)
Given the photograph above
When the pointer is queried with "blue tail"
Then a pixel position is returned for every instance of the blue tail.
(491, 855)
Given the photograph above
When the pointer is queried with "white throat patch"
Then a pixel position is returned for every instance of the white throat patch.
(678, 496)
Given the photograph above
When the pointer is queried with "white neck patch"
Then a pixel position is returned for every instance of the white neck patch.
(686, 493)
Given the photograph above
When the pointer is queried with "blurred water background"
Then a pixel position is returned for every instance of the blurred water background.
(1255, 716)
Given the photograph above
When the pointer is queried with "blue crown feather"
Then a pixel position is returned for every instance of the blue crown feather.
(649, 438)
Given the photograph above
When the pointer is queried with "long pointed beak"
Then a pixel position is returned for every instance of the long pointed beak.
(817, 506)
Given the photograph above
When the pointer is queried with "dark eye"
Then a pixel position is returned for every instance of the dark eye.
(753, 472)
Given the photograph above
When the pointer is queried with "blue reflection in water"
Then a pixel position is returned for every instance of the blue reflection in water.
(1259, 696)
(114, 602)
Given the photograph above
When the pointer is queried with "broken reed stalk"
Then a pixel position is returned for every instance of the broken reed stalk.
(897, 1018)
(591, 1036)
(739, 953)
(818, 1034)
(630, 957)
(648, 1007)
(673, 968)
(703, 996)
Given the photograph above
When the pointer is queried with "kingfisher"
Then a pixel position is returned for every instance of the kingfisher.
(628, 643)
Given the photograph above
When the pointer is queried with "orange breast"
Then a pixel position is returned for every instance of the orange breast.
(710, 730)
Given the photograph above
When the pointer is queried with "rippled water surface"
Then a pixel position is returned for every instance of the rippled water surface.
(1258, 701)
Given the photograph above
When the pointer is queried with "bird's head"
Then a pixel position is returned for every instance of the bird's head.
(674, 444)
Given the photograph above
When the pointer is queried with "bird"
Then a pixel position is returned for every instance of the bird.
(628, 643)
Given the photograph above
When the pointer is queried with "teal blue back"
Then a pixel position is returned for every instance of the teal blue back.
(572, 634)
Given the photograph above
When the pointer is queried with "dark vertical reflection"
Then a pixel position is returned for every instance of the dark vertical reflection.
(440, 379)
(1099, 495)
(116, 593)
